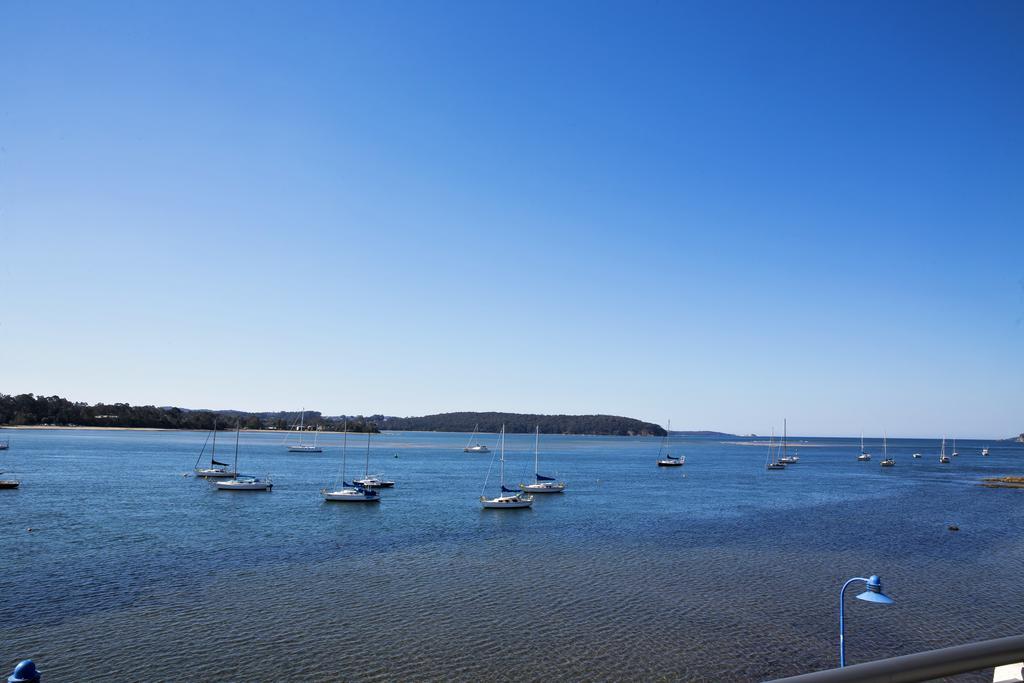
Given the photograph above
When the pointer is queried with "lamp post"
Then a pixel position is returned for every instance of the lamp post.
(872, 594)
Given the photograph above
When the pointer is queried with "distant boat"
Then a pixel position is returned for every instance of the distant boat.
(349, 492)
(790, 459)
(916, 455)
(301, 447)
(372, 481)
(5, 444)
(506, 498)
(984, 451)
(541, 483)
(669, 460)
(243, 482)
(943, 458)
(477, 447)
(886, 460)
(864, 455)
(216, 470)
(954, 449)
(772, 463)
(9, 483)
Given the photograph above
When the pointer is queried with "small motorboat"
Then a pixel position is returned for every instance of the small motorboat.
(6, 443)
(9, 483)
(984, 451)
(245, 484)
(789, 459)
(916, 455)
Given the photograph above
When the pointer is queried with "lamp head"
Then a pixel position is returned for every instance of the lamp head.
(874, 592)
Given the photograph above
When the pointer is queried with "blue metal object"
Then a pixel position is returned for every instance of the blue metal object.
(25, 672)
(872, 594)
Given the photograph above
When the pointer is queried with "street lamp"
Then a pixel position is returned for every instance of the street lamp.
(872, 594)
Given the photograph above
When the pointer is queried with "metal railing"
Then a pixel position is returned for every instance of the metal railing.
(923, 666)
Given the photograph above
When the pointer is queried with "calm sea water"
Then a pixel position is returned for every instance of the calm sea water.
(717, 570)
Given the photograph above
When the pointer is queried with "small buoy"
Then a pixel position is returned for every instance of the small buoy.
(953, 527)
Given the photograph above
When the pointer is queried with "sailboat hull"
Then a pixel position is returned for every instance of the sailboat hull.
(550, 487)
(350, 496)
(476, 449)
(506, 502)
(234, 485)
(305, 449)
(215, 474)
(9, 483)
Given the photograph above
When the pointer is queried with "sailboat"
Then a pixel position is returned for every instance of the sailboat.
(787, 459)
(301, 447)
(864, 455)
(372, 481)
(772, 463)
(886, 460)
(6, 443)
(244, 482)
(477, 447)
(954, 449)
(541, 483)
(984, 451)
(943, 458)
(507, 498)
(352, 493)
(669, 460)
(216, 470)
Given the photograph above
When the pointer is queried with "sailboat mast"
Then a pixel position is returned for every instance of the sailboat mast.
(783, 437)
(502, 459)
(213, 450)
(536, 451)
(367, 472)
(238, 431)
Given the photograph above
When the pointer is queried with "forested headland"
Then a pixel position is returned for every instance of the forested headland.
(610, 425)
(55, 411)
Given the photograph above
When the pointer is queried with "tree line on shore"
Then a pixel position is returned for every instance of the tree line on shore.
(609, 425)
(32, 410)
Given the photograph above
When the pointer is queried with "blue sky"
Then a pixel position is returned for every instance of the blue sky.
(719, 213)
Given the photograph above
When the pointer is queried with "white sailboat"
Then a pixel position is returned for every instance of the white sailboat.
(787, 459)
(954, 449)
(216, 470)
(349, 492)
(243, 482)
(772, 463)
(886, 460)
(864, 455)
(984, 451)
(301, 447)
(372, 481)
(475, 447)
(541, 483)
(5, 444)
(943, 458)
(506, 498)
(669, 460)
